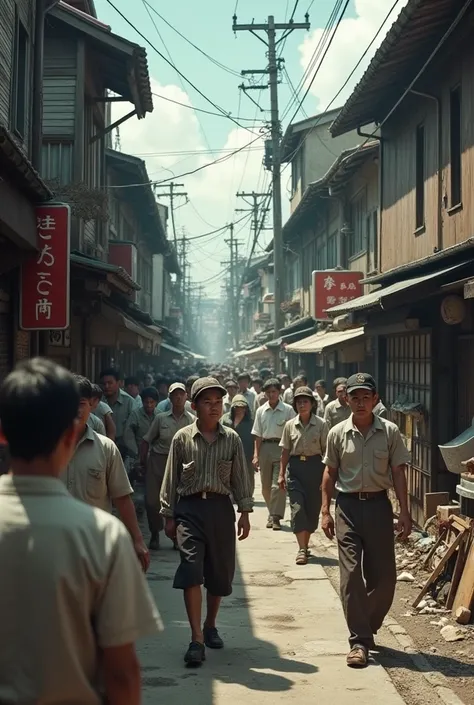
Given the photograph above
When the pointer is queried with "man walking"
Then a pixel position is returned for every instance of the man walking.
(120, 402)
(339, 409)
(206, 465)
(244, 388)
(365, 457)
(73, 598)
(270, 420)
(154, 451)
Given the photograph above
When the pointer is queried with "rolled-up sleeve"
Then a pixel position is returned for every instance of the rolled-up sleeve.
(331, 459)
(324, 437)
(240, 482)
(171, 479)
(286, 437)
(118, 483)
(398, 452)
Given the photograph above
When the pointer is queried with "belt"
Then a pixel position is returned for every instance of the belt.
(364, 496)
(304, 458)
(271, 440)
(205, 495)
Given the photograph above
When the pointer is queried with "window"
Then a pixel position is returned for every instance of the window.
(321, 254)
(331, 254)
(357, 239)
(57, 161)
(20, 80)
(420, 177)
(297, 171)
(372, 225)
(455, 143)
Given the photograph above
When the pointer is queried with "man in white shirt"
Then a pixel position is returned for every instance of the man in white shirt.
(244, 388)
(270, 420)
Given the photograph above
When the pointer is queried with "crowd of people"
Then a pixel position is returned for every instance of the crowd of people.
(196, 440)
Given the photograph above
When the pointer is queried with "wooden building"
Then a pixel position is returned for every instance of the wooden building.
(419, 90)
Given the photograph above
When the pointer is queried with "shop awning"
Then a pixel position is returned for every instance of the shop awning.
(172, 349)
(381, 297)
(290, 337)
(321, 341)
(197, 356)
(259, 351)
(113, 328)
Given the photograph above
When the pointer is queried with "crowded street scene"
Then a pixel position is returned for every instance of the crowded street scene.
(236, 352)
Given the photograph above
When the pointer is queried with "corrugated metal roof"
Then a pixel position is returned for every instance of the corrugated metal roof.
(21, 170)
(377, 298)
(406, 47)
(320, 341)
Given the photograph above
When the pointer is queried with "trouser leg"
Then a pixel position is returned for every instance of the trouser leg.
(277, 495)
(266, 470)
(155, 471)
(353, 591)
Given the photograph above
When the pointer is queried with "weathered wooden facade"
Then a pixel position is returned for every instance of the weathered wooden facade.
(424, 104)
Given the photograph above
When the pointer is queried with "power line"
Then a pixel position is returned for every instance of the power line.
(221, 110)
(214, 61)
(218, 230)
(191, 152)
(201, 110)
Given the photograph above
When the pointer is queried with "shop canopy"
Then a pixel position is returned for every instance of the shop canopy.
(320, 341)
(259, 351)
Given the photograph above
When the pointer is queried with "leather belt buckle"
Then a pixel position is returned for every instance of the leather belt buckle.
(303, 458)
(204, 495)
(363, 496)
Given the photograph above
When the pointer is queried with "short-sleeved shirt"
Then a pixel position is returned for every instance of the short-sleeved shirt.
(102, 410)
(165, 406)
(381, 410)
(269, 423)
(96, 473)
(137, 427)
(251, 397)
(288, 395)
(194, 465)
(122, 409)
(96, 424)
(364, 464)
(336, 412)
(164, 428)
(321, 404)
(71, 584)
(305, 440)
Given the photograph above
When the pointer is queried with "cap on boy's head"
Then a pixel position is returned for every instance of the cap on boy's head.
(361, 380)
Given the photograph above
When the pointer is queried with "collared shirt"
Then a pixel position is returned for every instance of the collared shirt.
(102, 410)
(122, 409)
(336, 412)
(226, 402)
(96, 473)
(137, 402)
(364, 464)
(71, 584)
(165, 406)
(305, 440)
(251, 397)
(194, 466)
(138, 425)
(96, 424)
(269, 423)
(322, 404)
(381, 410)
(164, 428)
(287, 395)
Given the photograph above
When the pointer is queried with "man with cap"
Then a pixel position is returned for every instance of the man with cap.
(232, 388)
(365, 457)
(339, 409)
(270, 420)
(206, 465)
(154, 454)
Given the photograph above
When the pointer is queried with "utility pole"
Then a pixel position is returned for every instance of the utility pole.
(234, 283)
(271, 28)
(182, 252)
(172, 194)
(254, 209)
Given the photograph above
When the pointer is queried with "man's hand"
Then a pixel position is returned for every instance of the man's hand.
(170, 528)
(404, 526)
(255, 463)
(142, 554)
(327, 525)
(243, 526)
(281, 482)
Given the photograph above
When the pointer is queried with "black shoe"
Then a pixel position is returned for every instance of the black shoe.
(276, 526)
(154, 542)
(269, 523)
(212, 638)
(195, 655)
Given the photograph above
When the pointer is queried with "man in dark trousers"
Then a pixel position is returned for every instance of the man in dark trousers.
(365, 457)
(206, 465)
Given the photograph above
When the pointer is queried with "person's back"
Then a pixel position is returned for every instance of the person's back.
(73, 598)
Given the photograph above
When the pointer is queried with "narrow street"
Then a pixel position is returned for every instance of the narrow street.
(285, 636)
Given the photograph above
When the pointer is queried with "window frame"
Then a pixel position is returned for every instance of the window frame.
(420, 174)
(21, 62)
(455, 146)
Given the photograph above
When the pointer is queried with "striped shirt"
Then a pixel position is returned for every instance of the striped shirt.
(195, 466)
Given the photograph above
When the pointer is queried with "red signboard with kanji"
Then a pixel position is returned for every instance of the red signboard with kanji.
(332, 288)
(44, 290)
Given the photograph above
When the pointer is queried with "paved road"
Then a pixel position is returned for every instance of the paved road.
(284, 631)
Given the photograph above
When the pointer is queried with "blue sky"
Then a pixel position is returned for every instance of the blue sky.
(175, 139)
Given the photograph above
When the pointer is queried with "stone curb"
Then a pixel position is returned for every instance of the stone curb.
(436, 680)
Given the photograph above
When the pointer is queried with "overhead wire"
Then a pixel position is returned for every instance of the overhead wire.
(201, 110)
(201, 51)
(203, 95)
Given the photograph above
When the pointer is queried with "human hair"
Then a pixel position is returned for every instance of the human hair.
(272, 382)
(132, 380)
(111, 372)
(39, 401)
(338, 381)
(190, 381)
(230, 383)
(300, 378)
(320, 383)
(242, 376)
(203, 372)
(258, 380)
(84, 385)
(97, 392)
(246, 415)
(150, 392)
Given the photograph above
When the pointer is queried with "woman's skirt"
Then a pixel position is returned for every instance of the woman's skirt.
(303, 482)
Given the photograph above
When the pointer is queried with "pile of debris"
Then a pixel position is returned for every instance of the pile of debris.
(441, 565)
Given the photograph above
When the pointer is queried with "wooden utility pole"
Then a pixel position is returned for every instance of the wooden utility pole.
(172, 194)
(270, 28)
(233, 264)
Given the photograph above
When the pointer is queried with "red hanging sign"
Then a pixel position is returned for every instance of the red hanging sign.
(44, 290)
(332, 288)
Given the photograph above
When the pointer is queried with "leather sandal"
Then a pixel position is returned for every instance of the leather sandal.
(301, 557)
(358, 657)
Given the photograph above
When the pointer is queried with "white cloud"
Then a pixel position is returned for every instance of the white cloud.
(173, 128)
(352, 38)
